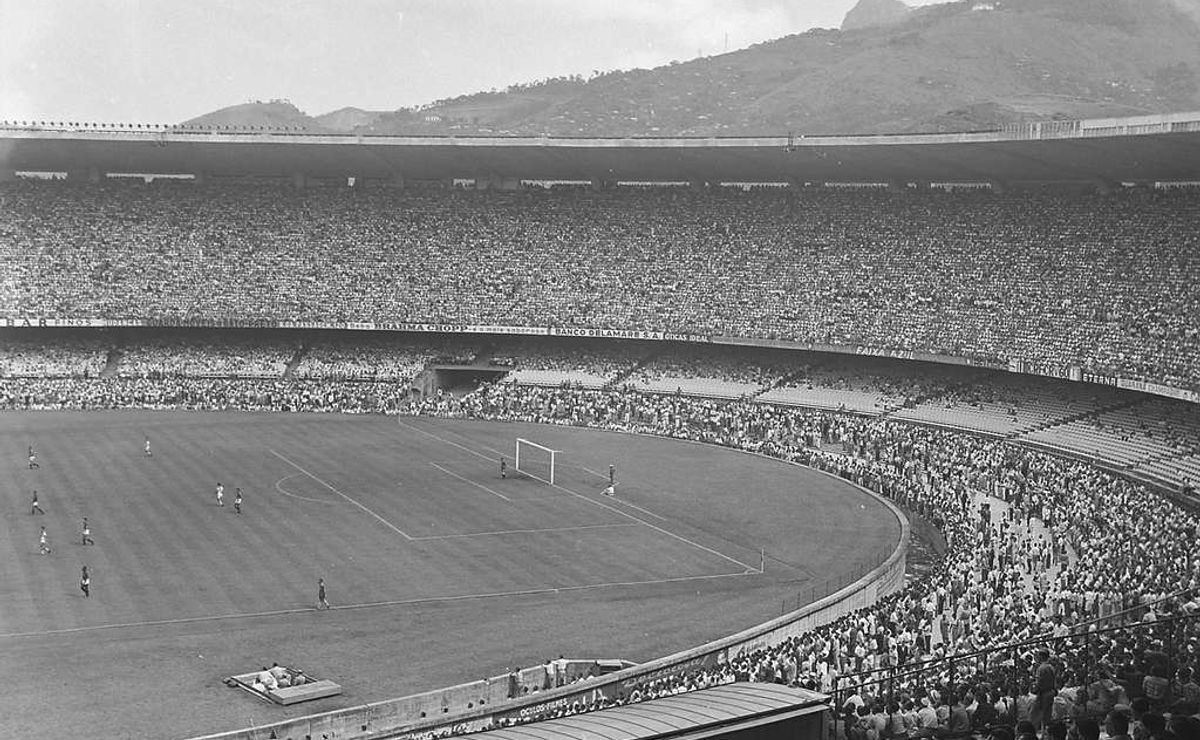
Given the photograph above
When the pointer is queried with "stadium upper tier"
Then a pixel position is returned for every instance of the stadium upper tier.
(1105, 283)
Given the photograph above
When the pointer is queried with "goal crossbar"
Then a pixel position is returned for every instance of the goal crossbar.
(527, 463)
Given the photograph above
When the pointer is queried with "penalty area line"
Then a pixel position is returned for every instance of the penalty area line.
(471, 482)
(375, 605)
(381, 520)
(601, 504)
(500, 532)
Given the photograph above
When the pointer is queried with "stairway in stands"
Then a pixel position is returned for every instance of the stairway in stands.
(781, 381)
(1076, 417)
(627, 373)
(293, 363)
(112, 364)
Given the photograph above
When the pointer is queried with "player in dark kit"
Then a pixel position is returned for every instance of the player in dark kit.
(503, 468)
(35, 507)
(87, 533)
(612, 475)
(322, 603)
(85, 583)
(237, 501)
(33, 463)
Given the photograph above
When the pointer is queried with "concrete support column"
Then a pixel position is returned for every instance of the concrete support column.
(90, 175)
(999, 187)
(7, 175)
(299, 180)
(497, 182)
(396, 181)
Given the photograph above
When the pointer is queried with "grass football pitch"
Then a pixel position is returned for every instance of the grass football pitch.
(439, 570)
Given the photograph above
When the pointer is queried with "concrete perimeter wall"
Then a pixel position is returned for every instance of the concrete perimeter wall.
(478, 705)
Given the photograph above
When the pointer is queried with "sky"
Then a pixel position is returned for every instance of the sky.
(165, 61)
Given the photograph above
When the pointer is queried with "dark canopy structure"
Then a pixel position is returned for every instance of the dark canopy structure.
(737, 710)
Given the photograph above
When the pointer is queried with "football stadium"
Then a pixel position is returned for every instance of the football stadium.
(563, 449)
(833, 437)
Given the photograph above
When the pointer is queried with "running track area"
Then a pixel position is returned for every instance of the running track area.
(438, 571)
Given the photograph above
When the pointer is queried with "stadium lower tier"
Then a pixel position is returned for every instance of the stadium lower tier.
(1153, 438)
(1062, 547)
(1104, 284)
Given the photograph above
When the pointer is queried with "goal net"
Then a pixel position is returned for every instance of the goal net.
(535, 460)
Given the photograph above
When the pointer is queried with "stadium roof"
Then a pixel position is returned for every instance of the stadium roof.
(694, 715)
(1150, 148)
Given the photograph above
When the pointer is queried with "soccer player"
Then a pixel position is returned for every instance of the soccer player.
(609, 490)
(87, 533)
(43, 543)
(148, 452)
(503, 468)
(612, 475)
(322, 603)
(220, 495)
(85, 583)
(35, 507)
(237, 501)
(33, 463)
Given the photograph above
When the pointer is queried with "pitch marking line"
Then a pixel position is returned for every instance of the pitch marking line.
(522, 531)
(482, 446)
(377, 604)
(383, 521)
(601, 504)
(279, 487)
(647, 512)
(468, 480)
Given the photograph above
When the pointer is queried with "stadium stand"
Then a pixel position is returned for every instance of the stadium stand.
(203, 354)
(53, 355)
(376, 358)
(537, 361)
(1100, 283)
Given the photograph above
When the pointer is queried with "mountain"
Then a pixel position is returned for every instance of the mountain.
(276, 114)
(348, 119)
(959, 66)
(870, 13)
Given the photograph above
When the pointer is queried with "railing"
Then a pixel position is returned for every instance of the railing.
(817, 591)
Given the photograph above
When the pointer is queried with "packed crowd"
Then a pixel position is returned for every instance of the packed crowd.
(1107, 283)
(200, 354)
(376, 358)
(197, 393)
(1076, 550)
(45, 356)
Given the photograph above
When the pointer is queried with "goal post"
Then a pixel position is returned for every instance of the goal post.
(535, 460)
